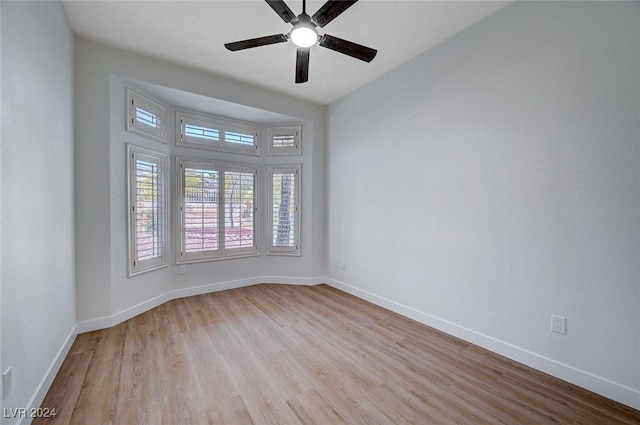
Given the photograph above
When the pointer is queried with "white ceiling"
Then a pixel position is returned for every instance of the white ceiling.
(193, 33)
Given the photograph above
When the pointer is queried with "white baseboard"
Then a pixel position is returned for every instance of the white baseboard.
(597, 384)
(50, 375)
(128, 313)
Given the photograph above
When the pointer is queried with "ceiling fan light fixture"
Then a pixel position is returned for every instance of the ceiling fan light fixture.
(304, 36)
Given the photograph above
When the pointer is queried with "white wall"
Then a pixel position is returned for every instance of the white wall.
(105, 294)
(495, 180)
(38, 293)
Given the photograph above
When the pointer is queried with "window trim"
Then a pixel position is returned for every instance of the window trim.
(289, 130)
(296, 170)
(135, 100)
(134, 265)
(222, 252)
(223, 126)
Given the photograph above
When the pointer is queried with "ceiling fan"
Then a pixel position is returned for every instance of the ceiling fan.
(304, 34)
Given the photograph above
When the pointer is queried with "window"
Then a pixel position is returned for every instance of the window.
(284, 210)
(208, 132)
(147, 209)
(217, 210)
(284, 140)
(145, 117)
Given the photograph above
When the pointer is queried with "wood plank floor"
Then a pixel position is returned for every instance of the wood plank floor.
(272, 354)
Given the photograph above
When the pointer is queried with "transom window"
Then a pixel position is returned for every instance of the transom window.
(213, 133)
(145, 117)
(284, 140)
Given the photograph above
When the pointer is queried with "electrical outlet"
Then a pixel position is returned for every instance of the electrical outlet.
(6, 383)
(559, 324)
(343, 264)
(183, 269)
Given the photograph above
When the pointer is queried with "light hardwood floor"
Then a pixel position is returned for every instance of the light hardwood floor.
(272, 354)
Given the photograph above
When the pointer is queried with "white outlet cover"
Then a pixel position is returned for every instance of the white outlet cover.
(559, 324)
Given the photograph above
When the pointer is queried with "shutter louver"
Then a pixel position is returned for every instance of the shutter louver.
(243, 139)
(284, 141)
(200, 213)
(239, 217)
(148, 210)
(200, 132)
(148, 118)
(284, 209)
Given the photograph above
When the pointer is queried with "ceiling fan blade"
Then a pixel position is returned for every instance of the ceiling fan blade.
(302, 65)
(256, 42)
(349, 48)
(282, 10)
(331, 10)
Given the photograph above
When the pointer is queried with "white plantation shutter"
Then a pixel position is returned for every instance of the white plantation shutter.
(201, 132)
(145, 117)
(147, 209)
(284, 140)
(218, 134)
(244, 139)
(239, 210)
(200, 210)
(217, 210)
(199, 197)
(284, 210)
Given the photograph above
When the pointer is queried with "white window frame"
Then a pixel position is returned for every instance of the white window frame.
(293, 131)
(295, 170)
(137, 101)
(223, 126)
(222, 251)
(135, 265)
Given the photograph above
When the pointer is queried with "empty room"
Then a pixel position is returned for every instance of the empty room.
(320, 212)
